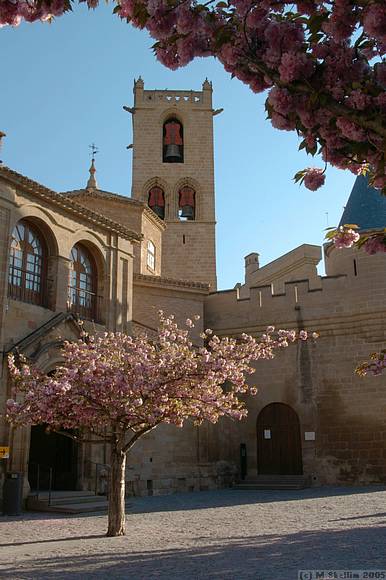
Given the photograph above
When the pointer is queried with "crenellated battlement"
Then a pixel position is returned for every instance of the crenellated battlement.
(335, 296)
(172, 97)
(156, 98)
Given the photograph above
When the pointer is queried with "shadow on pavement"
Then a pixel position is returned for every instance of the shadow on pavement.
(211, 499)
(265, 557)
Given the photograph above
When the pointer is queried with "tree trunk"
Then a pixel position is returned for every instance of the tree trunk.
(117, 492)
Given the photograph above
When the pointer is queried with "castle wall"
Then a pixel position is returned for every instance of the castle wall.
(346, 412)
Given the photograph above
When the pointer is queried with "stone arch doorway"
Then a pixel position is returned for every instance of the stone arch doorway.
(279, 447)
(52, 450)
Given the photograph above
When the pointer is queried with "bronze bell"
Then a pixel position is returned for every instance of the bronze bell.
(159, 211)
(187, 211)
(173, 153)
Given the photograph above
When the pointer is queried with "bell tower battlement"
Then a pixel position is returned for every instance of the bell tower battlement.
(173, 172)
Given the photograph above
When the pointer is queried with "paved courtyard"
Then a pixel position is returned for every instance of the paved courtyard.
(262, 535)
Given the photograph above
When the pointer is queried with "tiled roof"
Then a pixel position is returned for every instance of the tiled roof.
(101, 194)
(44, 193)
(366, 206)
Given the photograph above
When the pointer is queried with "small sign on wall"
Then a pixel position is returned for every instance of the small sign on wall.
(267, 433)
(309, 435)
(4, 452)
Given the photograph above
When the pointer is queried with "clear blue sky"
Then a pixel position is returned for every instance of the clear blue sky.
(63, 86)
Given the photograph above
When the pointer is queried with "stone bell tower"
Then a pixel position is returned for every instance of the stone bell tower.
(173, 172)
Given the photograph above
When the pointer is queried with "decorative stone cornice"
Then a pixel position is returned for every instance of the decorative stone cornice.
(161, 281)
(62, 201)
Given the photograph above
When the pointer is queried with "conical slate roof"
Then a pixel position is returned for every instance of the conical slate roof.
(366, 206)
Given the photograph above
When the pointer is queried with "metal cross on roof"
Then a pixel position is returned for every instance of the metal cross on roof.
(94, 151)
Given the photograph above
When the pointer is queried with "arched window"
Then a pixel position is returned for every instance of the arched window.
(82, 296)
(156, 201)
(27, 279)
(173, 142)
(150, 259)
(187, 203)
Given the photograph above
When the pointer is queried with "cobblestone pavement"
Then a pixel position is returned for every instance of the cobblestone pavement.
(262, 535)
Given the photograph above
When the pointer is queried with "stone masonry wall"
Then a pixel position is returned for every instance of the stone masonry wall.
(347, 412)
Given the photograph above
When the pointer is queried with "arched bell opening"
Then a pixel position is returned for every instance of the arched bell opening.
(173, 141)
(156, 201)
(187, 203)
(279, 446)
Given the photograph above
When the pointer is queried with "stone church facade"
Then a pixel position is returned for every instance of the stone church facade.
(96, 259)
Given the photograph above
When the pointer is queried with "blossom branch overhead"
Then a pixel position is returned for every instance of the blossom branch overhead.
(322, 63)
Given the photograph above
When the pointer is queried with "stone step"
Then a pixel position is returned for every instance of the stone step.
(274, 482)
(69, 508)
(58, 495)
(75, 505)
(83, 499)
(253, 486)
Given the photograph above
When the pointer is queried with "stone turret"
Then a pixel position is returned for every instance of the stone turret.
(366, 208)
(251, 265)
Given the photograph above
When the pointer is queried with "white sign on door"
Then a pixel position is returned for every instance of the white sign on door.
(267, 433)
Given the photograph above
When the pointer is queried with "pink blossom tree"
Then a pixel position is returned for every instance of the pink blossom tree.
(321, 62)
(117, 388)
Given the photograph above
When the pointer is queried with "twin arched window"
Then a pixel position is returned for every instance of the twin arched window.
(173, 141)
(27, 273)
(27, 279)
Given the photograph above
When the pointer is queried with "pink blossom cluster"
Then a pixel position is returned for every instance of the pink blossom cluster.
(345, 237)
(375, 366)
(323, 64)
(12, 12)
(314, 178)
(375, 243)
(132, 384)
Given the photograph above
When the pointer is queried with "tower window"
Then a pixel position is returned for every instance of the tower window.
(150, 260)
(156, 201)
(187, 203)
(173, 142)
(27, 265)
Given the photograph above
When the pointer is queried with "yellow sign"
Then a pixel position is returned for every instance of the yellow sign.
(4, 452)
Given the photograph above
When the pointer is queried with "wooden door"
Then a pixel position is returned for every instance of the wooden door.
(279, 448)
